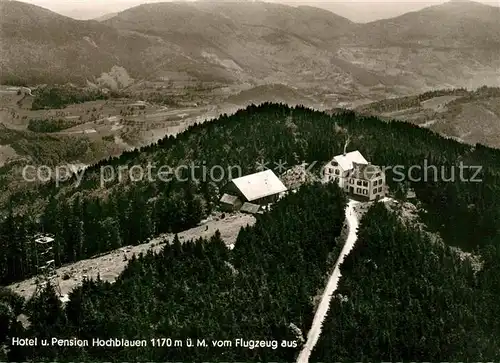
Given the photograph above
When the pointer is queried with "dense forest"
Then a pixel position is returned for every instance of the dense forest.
(50, 125)
(91, 218)
(262, 289)
(51, 97)
(408, 102)
(402, 103)
(405, 297)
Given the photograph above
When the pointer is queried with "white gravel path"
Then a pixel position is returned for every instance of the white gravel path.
(319, 317)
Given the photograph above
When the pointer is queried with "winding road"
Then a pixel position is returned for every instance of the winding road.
(319, 316)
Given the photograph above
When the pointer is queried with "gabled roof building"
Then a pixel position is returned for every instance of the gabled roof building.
(260, 188)
(346, 161)
(356, 176)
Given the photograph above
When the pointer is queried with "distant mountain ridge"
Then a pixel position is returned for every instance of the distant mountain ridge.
(455, 24)
(357, 11)
(447, 45)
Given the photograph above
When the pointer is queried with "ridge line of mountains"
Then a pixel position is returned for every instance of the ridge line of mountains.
(456, 44)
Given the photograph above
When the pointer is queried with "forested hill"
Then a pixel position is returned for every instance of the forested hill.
(91, 218)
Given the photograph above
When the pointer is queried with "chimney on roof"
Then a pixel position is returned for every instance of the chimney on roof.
(346, 143)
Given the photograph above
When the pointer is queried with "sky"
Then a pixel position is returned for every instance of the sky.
(356, 10)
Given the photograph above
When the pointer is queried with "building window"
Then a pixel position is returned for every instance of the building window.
(359, 182)
(378, 174)
(365, 192)
(375, 182)
(337, 172)
(365, 183)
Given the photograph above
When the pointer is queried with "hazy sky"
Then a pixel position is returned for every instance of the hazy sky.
(356, 10)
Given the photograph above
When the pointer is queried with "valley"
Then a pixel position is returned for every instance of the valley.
(257, 43)
(95, 231)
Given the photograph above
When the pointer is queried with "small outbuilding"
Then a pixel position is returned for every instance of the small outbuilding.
(230, 203)
(250, 208)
